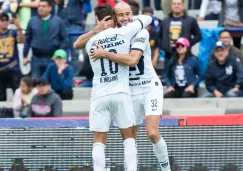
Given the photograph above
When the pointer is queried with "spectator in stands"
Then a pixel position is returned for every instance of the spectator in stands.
(111, 2)
(183, 73)
(157, 4)
(22, 97)
(4, 6)
(178, 24)
(224, 76)
(232, 16)
(87, 72)
(46, 103)
(10, 73)
(45, 34)
(134, 6)
(155, 25)
(153, 30)
(60, 75)
(225, 37)
(166, 6)
(209, 10)
(71, 11)
(29, 8)
(33, 5)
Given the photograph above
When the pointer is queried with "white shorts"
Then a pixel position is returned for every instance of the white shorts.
(147, 104)
(116, 108)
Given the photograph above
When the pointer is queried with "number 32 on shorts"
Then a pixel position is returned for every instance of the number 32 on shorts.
(154, 103)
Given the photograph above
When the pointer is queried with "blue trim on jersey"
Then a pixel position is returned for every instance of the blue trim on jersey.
(137, 49)
(141, 23)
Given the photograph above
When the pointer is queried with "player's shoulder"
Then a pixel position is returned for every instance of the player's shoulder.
(91, 42)
(143, 33)
(142, 36)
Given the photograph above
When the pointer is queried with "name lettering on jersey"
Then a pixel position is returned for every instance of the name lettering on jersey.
(140, 83)
(140, 39)
(113, 44)
(108, 79)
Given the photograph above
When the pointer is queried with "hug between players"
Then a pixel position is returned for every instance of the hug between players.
(126, 57)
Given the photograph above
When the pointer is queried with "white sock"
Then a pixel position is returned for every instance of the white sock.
(130, 154)
(98, 155)
(125, 166)
(160, 151)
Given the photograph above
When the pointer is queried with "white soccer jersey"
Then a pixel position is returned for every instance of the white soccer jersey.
(110, 77)
(143, 77)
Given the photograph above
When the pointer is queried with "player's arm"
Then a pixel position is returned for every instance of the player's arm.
(83, 39)
(131, 59)
(122, 59)
(141, 21)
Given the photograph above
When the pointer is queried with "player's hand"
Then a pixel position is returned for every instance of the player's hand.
(170, 89)
(217, 94)
(25, 61)
(103, 24)
(97, 53)
(190, 88)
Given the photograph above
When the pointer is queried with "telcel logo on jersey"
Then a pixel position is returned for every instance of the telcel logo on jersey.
(109, 42)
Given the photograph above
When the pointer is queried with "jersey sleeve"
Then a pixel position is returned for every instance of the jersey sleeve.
(133, 28)
(140, 40)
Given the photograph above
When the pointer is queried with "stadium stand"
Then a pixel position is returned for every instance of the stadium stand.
(175, 107)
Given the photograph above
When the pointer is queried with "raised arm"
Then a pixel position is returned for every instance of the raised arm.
(101, 25)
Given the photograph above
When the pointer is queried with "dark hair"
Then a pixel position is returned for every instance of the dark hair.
(223, 31)
(147, 10)
(103, 10)
(134, 6)
(176, 57)
(30, 82)
(49, 2)
(42, 82)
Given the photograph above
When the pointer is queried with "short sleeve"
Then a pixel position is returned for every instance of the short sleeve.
(140, 40)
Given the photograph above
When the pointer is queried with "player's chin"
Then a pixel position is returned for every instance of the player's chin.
(125, 23)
